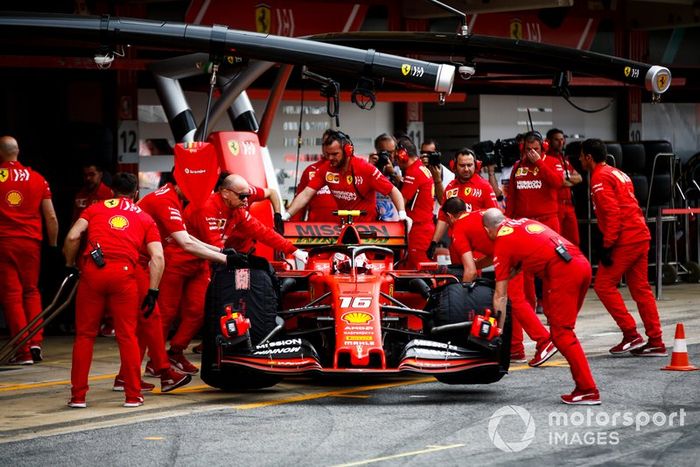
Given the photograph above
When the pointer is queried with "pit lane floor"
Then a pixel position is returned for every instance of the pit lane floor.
(648, 416)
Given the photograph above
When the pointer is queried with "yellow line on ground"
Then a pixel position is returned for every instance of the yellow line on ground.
(321, 395)
(405, 454)
(154, 438)
(354, 396)
(19, 387)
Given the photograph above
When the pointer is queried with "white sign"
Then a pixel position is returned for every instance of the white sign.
(128, 142)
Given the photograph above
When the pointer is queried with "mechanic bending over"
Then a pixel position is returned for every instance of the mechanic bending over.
(533, 247)
(624, 251)
(475, 249)
(353, 181)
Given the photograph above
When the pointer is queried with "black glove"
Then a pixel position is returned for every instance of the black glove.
(236, 261)
(605, 256)
(149, 303)
(430, 252)
(72, 270)
(279, 223)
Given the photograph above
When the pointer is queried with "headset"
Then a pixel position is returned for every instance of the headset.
(401, 153)
(544, 144)
(345, 143)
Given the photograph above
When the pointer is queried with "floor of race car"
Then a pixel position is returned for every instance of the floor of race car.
(421, 419)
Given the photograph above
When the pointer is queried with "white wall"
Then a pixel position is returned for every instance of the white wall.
(505, 116)
(677, 123)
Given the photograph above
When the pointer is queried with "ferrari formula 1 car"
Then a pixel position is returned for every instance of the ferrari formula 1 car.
(348, 311)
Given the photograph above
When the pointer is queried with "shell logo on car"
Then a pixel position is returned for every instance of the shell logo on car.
(118, 222)
(356, 317)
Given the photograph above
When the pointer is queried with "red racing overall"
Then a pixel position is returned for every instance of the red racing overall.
(531, 245)
(624, 230)
(418, 192)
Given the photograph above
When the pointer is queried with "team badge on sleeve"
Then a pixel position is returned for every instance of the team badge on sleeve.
(534, 228)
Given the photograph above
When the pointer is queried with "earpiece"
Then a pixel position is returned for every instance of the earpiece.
(346, 144)
(401, 153)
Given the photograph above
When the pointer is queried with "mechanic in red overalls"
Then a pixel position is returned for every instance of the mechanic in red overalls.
(117, 232)
(418, 191)
(532, 247)
(25, 198)
(93, 189)
(624, 252)
(353, 181)
(322, 205)
(165, 206)
(471, 188)
(568, 223)
(475, 250)
(245, 243)
(533, 191)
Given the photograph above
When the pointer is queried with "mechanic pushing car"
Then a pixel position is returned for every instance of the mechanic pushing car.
(352, 181)
(624, 251)
(533, 247)
(475, 250)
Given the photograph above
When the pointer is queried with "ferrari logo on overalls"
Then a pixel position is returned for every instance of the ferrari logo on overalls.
(112, 203)
(468, 191)
(534, 228)
(349, 179)
(405, 69)
(234, 147)
(4, 174)
(262, 18)
(119, 222)
(505, 231)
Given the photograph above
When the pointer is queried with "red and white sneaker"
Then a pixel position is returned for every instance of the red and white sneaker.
(171, 379)
(649, 350)
(133, 401)
(178, 360)
(151, 372)
(518, 357)
(590, 397)
(119, 385)
(74, 403)
(543, 353)
(22, 358)
(627, 344)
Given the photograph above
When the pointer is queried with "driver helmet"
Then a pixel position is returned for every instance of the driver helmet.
(342, 263)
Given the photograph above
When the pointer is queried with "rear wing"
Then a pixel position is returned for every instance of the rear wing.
(310, 234)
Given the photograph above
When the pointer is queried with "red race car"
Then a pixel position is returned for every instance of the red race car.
(349, 311)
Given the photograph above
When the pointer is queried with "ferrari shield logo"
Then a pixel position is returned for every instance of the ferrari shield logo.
(234, 147)
(628, 70)
(262, 18)
(661, 83)
(4, 173)
(349, 179)
(505, 230)
(534, 228)
(405, 69)
(111, 203)
(118, 222)
(516, 29)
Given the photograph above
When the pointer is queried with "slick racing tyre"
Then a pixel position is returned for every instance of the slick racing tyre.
(457, 303)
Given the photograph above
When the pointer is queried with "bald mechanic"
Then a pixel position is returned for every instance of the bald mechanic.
(352, 181)
(625, 252)
(533, 247)
(475, 249)
(25, 199)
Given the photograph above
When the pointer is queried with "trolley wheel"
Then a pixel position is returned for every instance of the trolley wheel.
(668, 274)
(693, 275)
